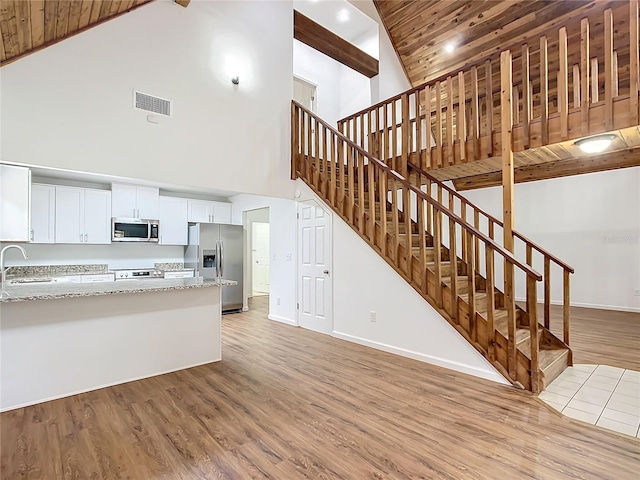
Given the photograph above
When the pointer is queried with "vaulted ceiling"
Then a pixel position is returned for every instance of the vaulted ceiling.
(421, 30)
(30, 25)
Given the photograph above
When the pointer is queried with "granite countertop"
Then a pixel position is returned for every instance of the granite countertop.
(21, 293)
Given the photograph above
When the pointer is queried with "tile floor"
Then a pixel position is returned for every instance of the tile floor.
(598, 394)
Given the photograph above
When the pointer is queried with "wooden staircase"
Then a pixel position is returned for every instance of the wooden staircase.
(461, 271)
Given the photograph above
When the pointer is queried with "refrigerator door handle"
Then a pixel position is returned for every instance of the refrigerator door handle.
(221, 258)
(217, 258)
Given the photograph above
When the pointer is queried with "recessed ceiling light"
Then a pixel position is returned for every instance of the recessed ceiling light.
(449, 47)
(595, 144)
(343, 15)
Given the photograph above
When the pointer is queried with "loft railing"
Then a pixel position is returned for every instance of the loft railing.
(399, 221)
(580, 81)
(490, 226)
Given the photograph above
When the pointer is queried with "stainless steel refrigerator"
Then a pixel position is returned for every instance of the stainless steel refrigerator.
(216, 251)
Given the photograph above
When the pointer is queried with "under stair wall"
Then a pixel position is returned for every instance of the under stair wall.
(405, 323)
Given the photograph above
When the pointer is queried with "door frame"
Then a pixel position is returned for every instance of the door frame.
(252, 260)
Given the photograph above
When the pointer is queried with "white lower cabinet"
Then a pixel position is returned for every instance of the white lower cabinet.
(83, 215)
(174, 229)
(43, 213)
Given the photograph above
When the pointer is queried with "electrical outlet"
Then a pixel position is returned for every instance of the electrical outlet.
(288, 257)
(637, 292)
(372, 316)
(278, 301)
(274, 257)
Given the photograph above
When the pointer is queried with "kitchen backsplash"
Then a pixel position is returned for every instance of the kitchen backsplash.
(117, 255)
(169, 267)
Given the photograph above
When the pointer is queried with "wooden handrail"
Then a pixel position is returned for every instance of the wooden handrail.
(454, 193)
(420, 194)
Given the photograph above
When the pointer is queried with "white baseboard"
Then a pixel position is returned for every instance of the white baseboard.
(78, 392)
(440, 362)
(615, 308)
(276, 318)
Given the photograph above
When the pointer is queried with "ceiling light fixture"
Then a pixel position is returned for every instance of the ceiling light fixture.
(449, 47)
(596, 144)
(343, 15)
(235, 80)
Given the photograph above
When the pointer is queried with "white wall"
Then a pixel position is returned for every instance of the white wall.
(282, 246)
(116, 255)
(406, 324)
(392, 79)
(70, 105)
(592, 222)
(324, 72)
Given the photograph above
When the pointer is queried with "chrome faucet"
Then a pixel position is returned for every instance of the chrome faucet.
(3, 270)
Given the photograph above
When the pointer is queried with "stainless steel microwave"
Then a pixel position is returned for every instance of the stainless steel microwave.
(134, 230)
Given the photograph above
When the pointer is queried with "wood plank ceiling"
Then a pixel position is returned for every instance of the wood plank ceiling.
(421, 29)
(30, 25)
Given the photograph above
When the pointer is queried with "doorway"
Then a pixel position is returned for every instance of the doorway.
(256, 224)
(315, 303)
(260, 258)
(304, 93)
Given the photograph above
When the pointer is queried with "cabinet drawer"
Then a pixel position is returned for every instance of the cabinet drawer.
(99, 278)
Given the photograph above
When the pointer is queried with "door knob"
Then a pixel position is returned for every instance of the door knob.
(326, 272)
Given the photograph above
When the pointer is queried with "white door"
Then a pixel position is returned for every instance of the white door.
(97, 216)
(260, 257)
(304, 93)
(314, 277)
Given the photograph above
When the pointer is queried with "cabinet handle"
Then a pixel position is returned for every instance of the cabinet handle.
(86, 237)
(81, 238)
(31, 237)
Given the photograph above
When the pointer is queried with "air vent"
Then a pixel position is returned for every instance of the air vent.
(149, 103)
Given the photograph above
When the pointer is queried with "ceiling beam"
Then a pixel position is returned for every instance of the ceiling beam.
(316, 36)
(560, 168)
(183, 3)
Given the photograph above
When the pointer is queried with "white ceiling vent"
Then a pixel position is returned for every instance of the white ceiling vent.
(149, 103)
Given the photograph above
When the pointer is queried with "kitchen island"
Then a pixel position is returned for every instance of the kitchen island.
(65, 338)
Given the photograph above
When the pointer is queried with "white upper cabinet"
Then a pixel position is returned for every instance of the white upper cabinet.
(43, 213)
(134, 201)
(200, 211)
(82, 215)
(174, 229)
(15, 195)
(204, 211)
(97, 216)
(222, 212)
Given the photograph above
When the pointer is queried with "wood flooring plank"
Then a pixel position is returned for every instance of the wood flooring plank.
(287, 403)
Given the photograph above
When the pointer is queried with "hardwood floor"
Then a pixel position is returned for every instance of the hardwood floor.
(286, 403)
(601, 336)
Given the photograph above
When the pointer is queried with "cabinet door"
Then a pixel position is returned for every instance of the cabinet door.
(97, 216)
(43, 213)
(221, 212)
(174, 228)
(147, 203)
(15, 191)
(69, 215)
(123, 200)
(200, 211)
